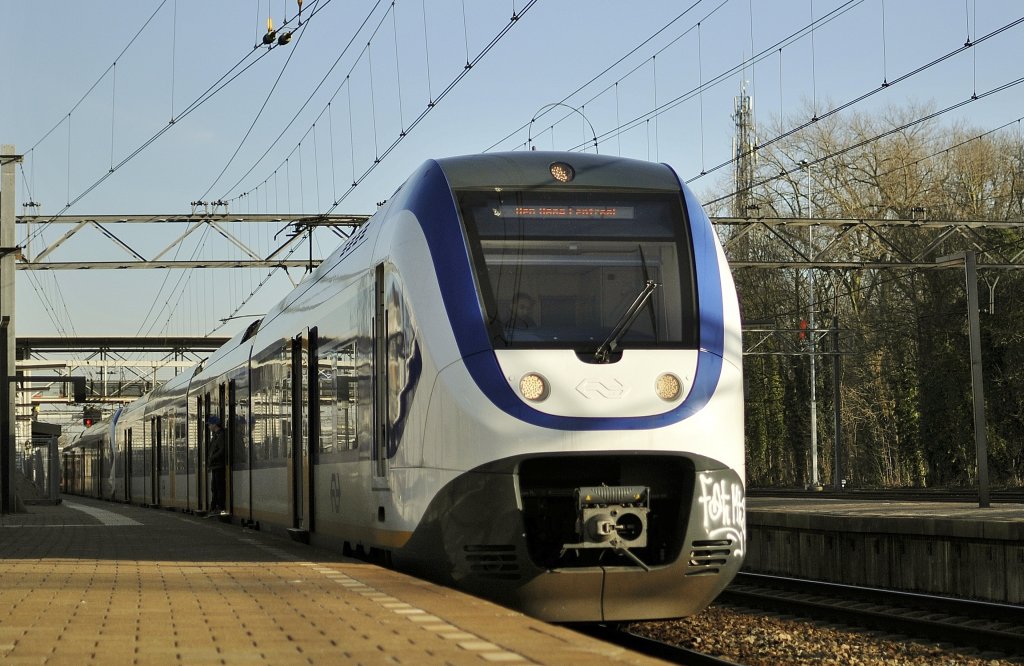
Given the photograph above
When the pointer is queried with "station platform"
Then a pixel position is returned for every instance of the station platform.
(91, 582)
(952, 548)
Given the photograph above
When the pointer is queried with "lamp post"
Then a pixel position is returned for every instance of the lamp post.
(969, 262)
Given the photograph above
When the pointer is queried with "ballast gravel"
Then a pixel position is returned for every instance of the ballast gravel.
(754, 638)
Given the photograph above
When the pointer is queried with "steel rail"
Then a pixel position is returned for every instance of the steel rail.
(1014, 496)
(650, 647)
(944, 619)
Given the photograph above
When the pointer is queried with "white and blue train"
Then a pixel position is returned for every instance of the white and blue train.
(521, 377)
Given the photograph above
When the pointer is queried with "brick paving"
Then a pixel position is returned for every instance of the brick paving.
(89, 582)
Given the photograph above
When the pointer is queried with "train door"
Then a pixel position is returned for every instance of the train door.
(241, 453)
(231, 435)
(380, 380)
(300, 477)
(311, 412)
(129, 465)
(98, 488)
(155, 471)
(228, 429)
(142, 469)
(202, 409)
(171, 448)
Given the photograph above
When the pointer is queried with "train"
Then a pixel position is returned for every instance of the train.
(521, 377)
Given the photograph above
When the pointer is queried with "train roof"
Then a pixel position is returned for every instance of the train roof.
(93, 433)
(233, 343)
(532, 169)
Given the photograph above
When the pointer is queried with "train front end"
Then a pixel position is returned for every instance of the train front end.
(589, 438)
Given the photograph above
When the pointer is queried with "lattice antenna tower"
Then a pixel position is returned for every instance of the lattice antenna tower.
(743, 144)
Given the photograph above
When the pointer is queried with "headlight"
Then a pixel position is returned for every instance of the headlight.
(562, 172)
(533, 387)
(668, 386)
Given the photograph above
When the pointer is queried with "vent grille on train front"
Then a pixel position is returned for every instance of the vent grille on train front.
(494, 562)
(708, 557)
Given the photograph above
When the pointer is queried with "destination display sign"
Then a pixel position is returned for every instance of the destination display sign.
(567, 212)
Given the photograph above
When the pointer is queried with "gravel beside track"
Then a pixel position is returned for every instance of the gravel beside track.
(754, 638)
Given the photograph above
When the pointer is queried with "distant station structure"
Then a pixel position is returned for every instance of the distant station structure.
(37, 371)
(114, 378)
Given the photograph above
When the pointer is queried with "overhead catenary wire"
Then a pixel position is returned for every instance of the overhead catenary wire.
(113, 108)
(373, 101)
(335, 194)
(316, 168)
(398, 68)
(868, 94)
(256, 117)
(726, 74)
(69, 162)
(654, 77)
(426, 52)
(841, 151)
(750, 17)
(183, 280)
(174, 48)
(48, 307)
(710, 83)
(380, 155)
(681, 98)
(226, 196)
(700, 87)
(101, 77)
(226, 79)
(885, 61)
(898, 274)
(565, 99)
(465, 31)
(356, 180)
(334, 176)
(814, 77)
(302, 180)
(947, 149)
(444, 93)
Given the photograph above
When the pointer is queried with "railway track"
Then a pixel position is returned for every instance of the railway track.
(895, 494)
(971, 623)
(650, 647)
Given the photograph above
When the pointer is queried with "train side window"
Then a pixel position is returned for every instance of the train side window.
(347, 392)
(338, 399)
(327, 366)
(180, 434)
(260, 410)
(283, 399)
(274, 422)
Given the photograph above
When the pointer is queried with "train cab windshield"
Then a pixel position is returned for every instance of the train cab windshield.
(581, 269)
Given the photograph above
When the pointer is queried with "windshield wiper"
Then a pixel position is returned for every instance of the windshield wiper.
(647, 278)
(625, 321)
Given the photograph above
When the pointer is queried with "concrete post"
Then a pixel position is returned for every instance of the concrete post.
(969, 261)
(977, 383)
(837, 407)
(8, 160)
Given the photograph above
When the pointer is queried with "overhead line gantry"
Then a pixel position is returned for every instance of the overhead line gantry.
(298, 226)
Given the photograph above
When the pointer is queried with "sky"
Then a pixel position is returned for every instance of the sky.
(139, 108)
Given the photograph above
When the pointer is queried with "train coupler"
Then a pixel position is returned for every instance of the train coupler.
(613, 517)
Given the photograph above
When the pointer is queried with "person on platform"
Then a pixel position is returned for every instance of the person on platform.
(216, 461)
